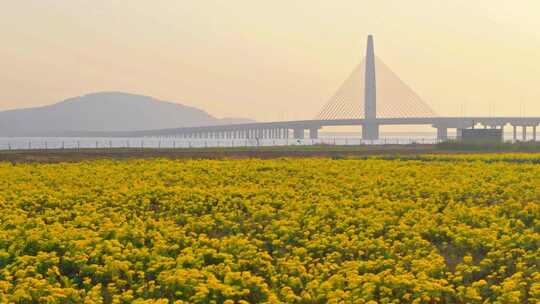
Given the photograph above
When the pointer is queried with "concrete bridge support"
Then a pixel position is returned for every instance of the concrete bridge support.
(298, 133)
(534, 133)
(524, 133)
(314, 133)
(370, 131)
(442, 133)
(514, 133)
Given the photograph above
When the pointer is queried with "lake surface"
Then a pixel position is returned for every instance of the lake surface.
(337, 138)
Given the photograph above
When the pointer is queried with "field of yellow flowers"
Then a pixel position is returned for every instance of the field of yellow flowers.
(437, 229)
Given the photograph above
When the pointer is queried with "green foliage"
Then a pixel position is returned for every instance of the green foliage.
(489, 146)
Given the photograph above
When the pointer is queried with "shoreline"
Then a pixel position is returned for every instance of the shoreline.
(79, 155)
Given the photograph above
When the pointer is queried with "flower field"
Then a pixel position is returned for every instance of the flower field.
(440, 229)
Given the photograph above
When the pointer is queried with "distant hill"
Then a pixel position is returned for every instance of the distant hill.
(104, 112)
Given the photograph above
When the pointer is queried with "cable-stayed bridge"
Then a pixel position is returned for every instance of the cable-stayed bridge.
(371, 97)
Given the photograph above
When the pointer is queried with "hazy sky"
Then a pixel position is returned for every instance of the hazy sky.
(268, 60)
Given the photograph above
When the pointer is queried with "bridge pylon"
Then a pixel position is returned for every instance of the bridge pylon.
(370, 130)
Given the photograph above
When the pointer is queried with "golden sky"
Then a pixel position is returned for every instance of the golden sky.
(271, 60)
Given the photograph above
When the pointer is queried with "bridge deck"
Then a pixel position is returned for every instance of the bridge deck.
(437, 122)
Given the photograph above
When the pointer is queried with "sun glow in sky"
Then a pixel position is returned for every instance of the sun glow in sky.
(271, 60)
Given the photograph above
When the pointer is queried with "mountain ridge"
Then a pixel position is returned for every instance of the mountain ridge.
(111, 111)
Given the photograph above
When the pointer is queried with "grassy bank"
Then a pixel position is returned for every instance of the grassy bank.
(330, 151)
(490, 146)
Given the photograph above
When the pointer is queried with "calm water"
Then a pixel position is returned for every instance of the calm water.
(40, 143)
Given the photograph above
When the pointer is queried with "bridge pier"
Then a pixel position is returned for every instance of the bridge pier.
(314, 133)
(370, 131)
(524, 133)
(534, 133)
(442, 133)
(298, 133)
